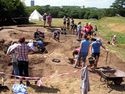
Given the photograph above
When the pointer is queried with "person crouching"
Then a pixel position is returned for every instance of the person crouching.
(40, 46)
(56, 35)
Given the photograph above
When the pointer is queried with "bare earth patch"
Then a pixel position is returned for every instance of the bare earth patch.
(117, 27)
(59, 78)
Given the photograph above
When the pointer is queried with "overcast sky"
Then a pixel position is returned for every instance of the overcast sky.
(86, 3)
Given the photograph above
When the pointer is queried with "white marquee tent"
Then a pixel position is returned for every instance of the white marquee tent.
(35, 16)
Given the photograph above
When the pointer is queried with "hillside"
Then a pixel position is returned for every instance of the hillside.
(113, 26)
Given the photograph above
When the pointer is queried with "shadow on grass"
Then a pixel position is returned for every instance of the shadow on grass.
(3, 88)
(44, 89)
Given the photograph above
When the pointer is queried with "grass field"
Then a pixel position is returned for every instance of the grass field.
(107, 27)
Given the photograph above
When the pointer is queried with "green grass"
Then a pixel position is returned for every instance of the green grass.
(114, 19)
(58, 22)
(107, 32)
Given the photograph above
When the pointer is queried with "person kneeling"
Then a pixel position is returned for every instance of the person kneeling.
(56, 35)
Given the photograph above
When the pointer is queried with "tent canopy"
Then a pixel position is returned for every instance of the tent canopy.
(35, 16)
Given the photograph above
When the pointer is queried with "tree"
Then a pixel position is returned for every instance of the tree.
(54, 11)
(12, 12)
(29, 10)
(109, 12)
(119, 7)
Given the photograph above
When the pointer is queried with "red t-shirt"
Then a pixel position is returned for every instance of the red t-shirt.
(86, 28)
(90, 27)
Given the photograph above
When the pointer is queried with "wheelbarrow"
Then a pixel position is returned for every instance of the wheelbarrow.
(108, 74)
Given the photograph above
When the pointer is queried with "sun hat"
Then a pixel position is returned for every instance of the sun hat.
(98, 40)
(114, 35)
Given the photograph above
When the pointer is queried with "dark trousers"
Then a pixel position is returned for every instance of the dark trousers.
(23, 68)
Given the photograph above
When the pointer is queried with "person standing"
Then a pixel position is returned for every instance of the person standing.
(84, 49)
(14, 59)
(72, 25)
(22, 51)
(64, 21)
(44, 19)
(90, 27)
(49, 20)
(79, 27)
(68, 23)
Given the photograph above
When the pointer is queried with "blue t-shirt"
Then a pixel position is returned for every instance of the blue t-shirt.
(84, 46)
(96, 46)
(40, 43)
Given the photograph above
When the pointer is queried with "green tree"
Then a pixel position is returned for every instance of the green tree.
(30, 9)
(110, 12)
(12, 12)
(119, 7)
(61, 14)
(54, 11)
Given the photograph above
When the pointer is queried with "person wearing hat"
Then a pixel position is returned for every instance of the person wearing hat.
(95, 49)
(44, 18)
(113, 41)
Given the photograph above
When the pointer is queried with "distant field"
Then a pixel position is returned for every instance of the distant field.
(59, 22)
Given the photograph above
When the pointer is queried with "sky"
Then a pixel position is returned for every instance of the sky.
(86, 3)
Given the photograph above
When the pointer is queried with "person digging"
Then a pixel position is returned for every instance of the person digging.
(56, 35)
(95, 50)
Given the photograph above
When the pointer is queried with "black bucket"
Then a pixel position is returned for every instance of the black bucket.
(91, 60)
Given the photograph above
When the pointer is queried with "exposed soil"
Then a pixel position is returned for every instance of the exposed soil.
(117, 27)
(59, 78)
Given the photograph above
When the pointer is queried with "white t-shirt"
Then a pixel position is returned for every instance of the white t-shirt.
(13, 54)
(31, 45)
